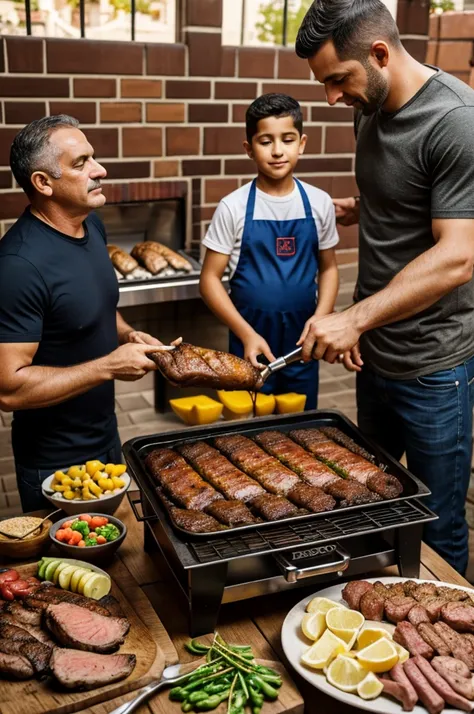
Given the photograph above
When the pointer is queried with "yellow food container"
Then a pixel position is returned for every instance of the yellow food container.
(239, 404)
(290, 402)
(196, 410)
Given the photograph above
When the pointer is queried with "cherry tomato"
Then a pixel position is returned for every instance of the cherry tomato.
(85, 517)
(97, 521)
(6, 592)
(75, 538)
(82, 544)
(68, 533)
(101, 540)
(67, 524)
(8, 576)
(92, 534)
(61, 535)
(20, 588)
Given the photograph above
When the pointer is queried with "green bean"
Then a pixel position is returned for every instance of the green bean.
(217, 687)
(187, 706)
(197, 684)
(266, 689)
(244, 686)
(256, 710)
(177, 694)
(196, 696)
(255, 697)
(206, 705)
(196, 647)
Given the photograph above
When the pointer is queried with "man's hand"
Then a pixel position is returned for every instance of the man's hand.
(142, 338)
(352, 359)
(329, 336)
(255, 345)
(130, 362)
(347, 211)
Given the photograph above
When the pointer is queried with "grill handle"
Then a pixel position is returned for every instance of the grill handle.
(133, 505)
(299, 564)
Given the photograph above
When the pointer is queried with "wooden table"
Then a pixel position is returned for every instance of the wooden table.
(257, 622)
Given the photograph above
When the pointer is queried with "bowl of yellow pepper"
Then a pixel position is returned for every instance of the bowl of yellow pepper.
(100, 484)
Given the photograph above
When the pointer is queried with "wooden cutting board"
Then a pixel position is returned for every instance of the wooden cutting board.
(147, 639)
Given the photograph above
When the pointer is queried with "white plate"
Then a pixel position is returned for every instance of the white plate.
(48, 491)
(295, 644)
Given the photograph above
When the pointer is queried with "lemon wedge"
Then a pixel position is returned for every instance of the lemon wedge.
(346, 673)
(370, 687)
(97, 586)
(313, 625)
(403, 654)
(369, 635)
(322, 604)
(344, 623)
(380, 656)
(323, 651)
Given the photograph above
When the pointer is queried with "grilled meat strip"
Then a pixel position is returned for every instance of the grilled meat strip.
(451, 664)
(179, 480)
(255, 462)
(409, 587)
(195, 521)
(353, 592)
(408, 636)
(453, 594)
(398, 607)
(459, 647)
(433, 639)
(348, 464)
(441, 686)
(220, 472)
(342, 439)
(398, 691)
(15, 666)
(418, 615)
(296, 458)
(272, 507)
(73, 668)
(372, 605)
(191, 366)
(36, 653)
(351, 493)
(396, 590)
(433, 606)
(231, 513)
(22, 614)
(398, 675)
(459, 616)
(424, 590)
(448, 668)
(49, 595)
(311, 497)
(428, 696)
(76, 627)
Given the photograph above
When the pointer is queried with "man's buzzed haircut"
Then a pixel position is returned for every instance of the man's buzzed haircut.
(352, 25)
(32, 150)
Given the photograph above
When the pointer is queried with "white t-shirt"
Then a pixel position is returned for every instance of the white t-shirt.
(226, 230)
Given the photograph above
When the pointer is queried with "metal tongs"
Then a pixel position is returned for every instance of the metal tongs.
(281, 362)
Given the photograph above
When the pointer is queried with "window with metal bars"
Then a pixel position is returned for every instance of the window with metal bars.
(142, 20)
(262, 22)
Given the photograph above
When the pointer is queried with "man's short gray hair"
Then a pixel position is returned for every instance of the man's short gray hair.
(32, 150)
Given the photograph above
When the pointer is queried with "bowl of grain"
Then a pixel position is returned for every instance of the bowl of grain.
(16, 545)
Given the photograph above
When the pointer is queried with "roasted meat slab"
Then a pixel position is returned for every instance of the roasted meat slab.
(195, 521)
(231, 513)
(332, 432)
(347, 463)
(266, 469)
(179, 480)
(191, 366)
(272, 507)
(73, 668)
(220, 472)
(311, 498)
(83, 629)
(351, 493)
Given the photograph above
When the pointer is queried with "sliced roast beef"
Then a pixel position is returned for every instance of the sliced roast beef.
(77, 627)
(53, 595)
(36, 632)
(15, 634)
(16, 666)
(22, 614)
(36, 653)
(74, 669)
(112, 605)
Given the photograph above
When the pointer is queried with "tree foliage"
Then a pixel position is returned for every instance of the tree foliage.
(270, 27)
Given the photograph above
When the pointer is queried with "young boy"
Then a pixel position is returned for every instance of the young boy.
(278, 236)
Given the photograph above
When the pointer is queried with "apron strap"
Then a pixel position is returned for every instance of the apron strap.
(304, 196)
(251, 202)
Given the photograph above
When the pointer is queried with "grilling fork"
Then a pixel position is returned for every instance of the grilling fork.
(281, 362)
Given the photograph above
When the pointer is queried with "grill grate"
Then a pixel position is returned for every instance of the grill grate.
(354, 523)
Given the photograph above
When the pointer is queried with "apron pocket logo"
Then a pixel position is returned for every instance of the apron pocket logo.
(285, 246)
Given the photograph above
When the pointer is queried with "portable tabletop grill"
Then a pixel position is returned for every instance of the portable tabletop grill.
(308, 550)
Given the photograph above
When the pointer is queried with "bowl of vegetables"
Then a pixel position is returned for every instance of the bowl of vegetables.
(93, 481)
(89, 536)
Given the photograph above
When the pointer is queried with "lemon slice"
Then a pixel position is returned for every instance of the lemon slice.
(75, 578)
(380, 656)
(313, 625)
(403, 654)
(322, 604)
(65, 576)
(82, 582)
(344, 623)
(323, 651)
(346, 673)
(97, 586)
(59, 569)
(370, 687)
(369, 635)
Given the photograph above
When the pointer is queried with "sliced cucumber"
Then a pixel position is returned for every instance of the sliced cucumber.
(42, 568)
(50, 568)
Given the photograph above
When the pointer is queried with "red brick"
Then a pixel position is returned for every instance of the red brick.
(104, 141)
(126, 169)
(314, 143)
(453, 56)
(238, 113)
(166, 168)
(256, 62)
(24, 112)
(182, 141)
(96, 87)
(434, 26)
(413, 17)
(92, 56)
(25, 54)
(34, 87)
(223, 140)
(188, 89)
(204, 13)
(6, 179)
(85, 112)
(349, 237)
(208, 113)
(310, 92)
(323, 164)
(117, 112)
(432, 52)
(203, 213)
(205, 51)
(416, 47)
(165, 59)
(228, 62)
(165, 112)
(6, 138)
(332, 114)
(215, 189)
(239, 166)
(201, 167)
(343, 186)
(12, 205)
(236, 90)
(457, 26)
(142, 141)
(322, 182)
(340, 140)
(136, 88)
(290, 66)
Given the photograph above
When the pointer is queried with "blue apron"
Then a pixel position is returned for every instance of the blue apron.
(274, 289)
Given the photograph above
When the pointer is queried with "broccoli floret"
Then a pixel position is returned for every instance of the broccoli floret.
(109, 532)
(90, 541)
(82, 527)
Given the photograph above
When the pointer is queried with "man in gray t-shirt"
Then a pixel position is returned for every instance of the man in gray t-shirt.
(413, 315)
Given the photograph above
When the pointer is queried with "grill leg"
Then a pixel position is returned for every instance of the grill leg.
(206, 588)
(408, 546)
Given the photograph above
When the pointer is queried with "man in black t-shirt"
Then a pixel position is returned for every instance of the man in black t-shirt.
(62, 341)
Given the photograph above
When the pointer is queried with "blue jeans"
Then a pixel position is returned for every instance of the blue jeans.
(29, 480)
(429, 419)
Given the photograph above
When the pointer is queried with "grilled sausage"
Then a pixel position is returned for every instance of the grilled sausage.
(398, 675)
(441, 686)
(407, 636)
(429, 697)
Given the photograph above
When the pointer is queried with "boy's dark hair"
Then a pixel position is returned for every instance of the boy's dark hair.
(32, 150)
(272, 105)
(352, 25)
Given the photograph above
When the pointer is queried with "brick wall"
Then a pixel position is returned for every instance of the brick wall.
(451, 44)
